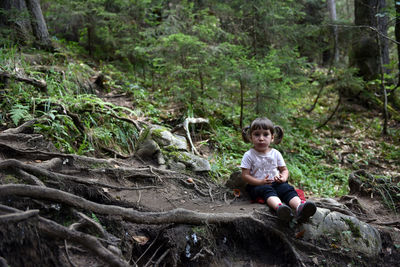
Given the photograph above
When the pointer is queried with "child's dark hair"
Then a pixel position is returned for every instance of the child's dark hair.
(265, 124)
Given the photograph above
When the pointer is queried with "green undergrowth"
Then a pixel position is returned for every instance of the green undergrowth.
(77, 121)
(67, 112)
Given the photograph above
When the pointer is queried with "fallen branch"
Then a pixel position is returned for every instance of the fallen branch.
(332, 114)
(185, 126)
(37, 83)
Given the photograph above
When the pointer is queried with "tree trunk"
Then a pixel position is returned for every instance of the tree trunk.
(397, 35)
(333, 18)
(26, 18)
(366, 55)
(14, 21)
(38, 23)
(242, 88)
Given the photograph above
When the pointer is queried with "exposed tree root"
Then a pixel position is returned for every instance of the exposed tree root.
(53, 229)
(19, 166)
(8, 218)
(179, 216)
(173, 216)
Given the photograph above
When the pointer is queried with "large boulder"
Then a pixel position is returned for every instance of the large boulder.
(342, 232)
(164, 138)
(160, 144)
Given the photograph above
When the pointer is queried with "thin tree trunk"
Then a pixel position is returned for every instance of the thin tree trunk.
(382, 77)
(242, 88)
(201, 80)
(38, 23)
(366, 56)
(333, 18)
(397, 35)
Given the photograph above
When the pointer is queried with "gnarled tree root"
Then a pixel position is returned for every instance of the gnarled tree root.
(178, 216)
(53, 229)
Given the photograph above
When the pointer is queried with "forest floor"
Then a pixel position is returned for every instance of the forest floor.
(147, 216)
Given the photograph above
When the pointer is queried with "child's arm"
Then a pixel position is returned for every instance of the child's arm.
(248, 178)
(283, 175)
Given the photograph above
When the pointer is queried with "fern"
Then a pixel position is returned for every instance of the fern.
(19, 112)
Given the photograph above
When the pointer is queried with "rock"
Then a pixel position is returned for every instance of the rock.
(179, 166)
(166, 139)
(148, 149)
(196, 163)
(343, 232)
(163, 146)
(235, 181)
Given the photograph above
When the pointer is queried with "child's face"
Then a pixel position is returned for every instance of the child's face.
(261, 139)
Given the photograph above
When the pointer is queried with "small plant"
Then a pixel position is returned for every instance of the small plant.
(20, 112)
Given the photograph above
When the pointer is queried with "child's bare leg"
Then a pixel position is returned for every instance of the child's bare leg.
(283, 212)
(273, 202)
(294, 202)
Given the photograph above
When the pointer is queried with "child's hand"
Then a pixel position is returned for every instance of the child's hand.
(280, 179)
(267, 180)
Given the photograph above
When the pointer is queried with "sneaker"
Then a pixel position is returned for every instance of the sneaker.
(284, 213)
(305, 211)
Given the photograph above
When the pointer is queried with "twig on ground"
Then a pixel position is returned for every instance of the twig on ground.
(157, 263)
(199, 254)
(152, 256)
(67, 253)
(144, 253)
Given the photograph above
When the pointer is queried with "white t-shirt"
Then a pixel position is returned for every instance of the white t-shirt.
(261, 165)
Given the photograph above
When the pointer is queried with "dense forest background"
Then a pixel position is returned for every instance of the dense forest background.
(85, 85)
(326, 71)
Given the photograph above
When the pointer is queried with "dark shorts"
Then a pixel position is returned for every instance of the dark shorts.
(282, 190)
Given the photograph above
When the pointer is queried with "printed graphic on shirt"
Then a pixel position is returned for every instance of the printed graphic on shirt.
(261, 165)
(264, 166)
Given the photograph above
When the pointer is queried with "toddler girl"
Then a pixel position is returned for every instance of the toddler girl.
(266, 174)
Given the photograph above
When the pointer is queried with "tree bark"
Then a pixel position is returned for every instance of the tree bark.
(397, 35)
(15, 20)
(38, 23)
(333, 18)
(26, 17)
(242, 88)
(366, 56)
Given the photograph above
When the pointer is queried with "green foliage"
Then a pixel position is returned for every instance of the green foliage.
(19, 112)
(226, 60)
(229, 150)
